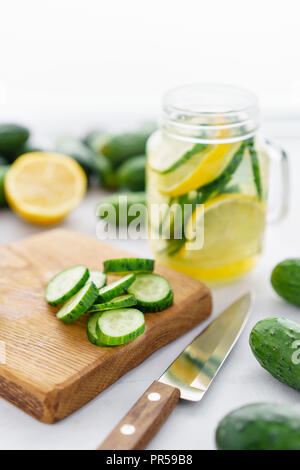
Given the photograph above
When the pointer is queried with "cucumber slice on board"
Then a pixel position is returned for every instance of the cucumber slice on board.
(77, 305)
(66, 284)
(119, 302)
(116, 327)
(98, 278)
(114, 289)
(91, 328)
(125, 265)
(152, 292)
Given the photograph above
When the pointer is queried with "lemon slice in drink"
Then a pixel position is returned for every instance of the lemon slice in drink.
(233, 231)
(200, 169)
(43, 187)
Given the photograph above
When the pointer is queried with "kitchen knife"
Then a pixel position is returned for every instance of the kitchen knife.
(188, 377)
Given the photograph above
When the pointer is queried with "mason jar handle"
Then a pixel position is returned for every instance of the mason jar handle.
(279, 187)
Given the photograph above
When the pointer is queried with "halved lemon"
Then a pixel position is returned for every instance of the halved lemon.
(233, 231)
(43, 187)
(200, 169)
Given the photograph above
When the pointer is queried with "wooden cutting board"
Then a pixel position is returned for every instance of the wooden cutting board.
(51, 369)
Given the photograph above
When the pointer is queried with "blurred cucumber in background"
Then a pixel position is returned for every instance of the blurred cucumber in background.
(114, 161)
(3, 170)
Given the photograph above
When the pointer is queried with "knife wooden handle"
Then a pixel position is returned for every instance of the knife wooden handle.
(144, 419)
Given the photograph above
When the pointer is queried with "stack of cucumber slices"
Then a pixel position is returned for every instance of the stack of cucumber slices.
(113, 320)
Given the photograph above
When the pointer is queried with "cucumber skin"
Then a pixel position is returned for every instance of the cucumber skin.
(105, 294)
(120, 340)
(255, 167)
(12, 136)
(271, 341)
(120, 147)
(73, 291)
(285, 280)
(163, 304)
(260, 426)
(131, 175)
(114, 303)
(3, 170)
(113, 200)
(83, 306)
(121, 265)
(91, 331)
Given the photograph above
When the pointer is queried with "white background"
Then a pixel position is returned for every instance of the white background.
(82, 62)
(69, 65)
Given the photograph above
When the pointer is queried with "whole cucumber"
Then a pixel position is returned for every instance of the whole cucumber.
(120, 147)
(132, 174)
(260, 426)
(12, 136)
(275, 342)
(285, 280)
(120, 203)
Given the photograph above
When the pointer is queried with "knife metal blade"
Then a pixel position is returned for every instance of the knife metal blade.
(188, 377)
(195, 368)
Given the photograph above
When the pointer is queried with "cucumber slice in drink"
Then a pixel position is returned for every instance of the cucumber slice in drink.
(66, 284)
(98, 278)
(125, 265)
(152, 292)
(118, 302)
(77, 305)
(114, 289)
(116, 327)
(255, 167)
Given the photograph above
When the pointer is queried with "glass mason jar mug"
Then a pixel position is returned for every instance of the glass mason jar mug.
(208, 181)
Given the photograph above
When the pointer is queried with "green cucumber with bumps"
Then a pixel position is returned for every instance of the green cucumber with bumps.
(260, 426)
(79, 304)
(285, 280)
(125, 265)
(114, 289)
(152, 292)
(275, 342)
(119, 302)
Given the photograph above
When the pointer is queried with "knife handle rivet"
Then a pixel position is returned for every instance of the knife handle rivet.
(154, 396)
(127, 429)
